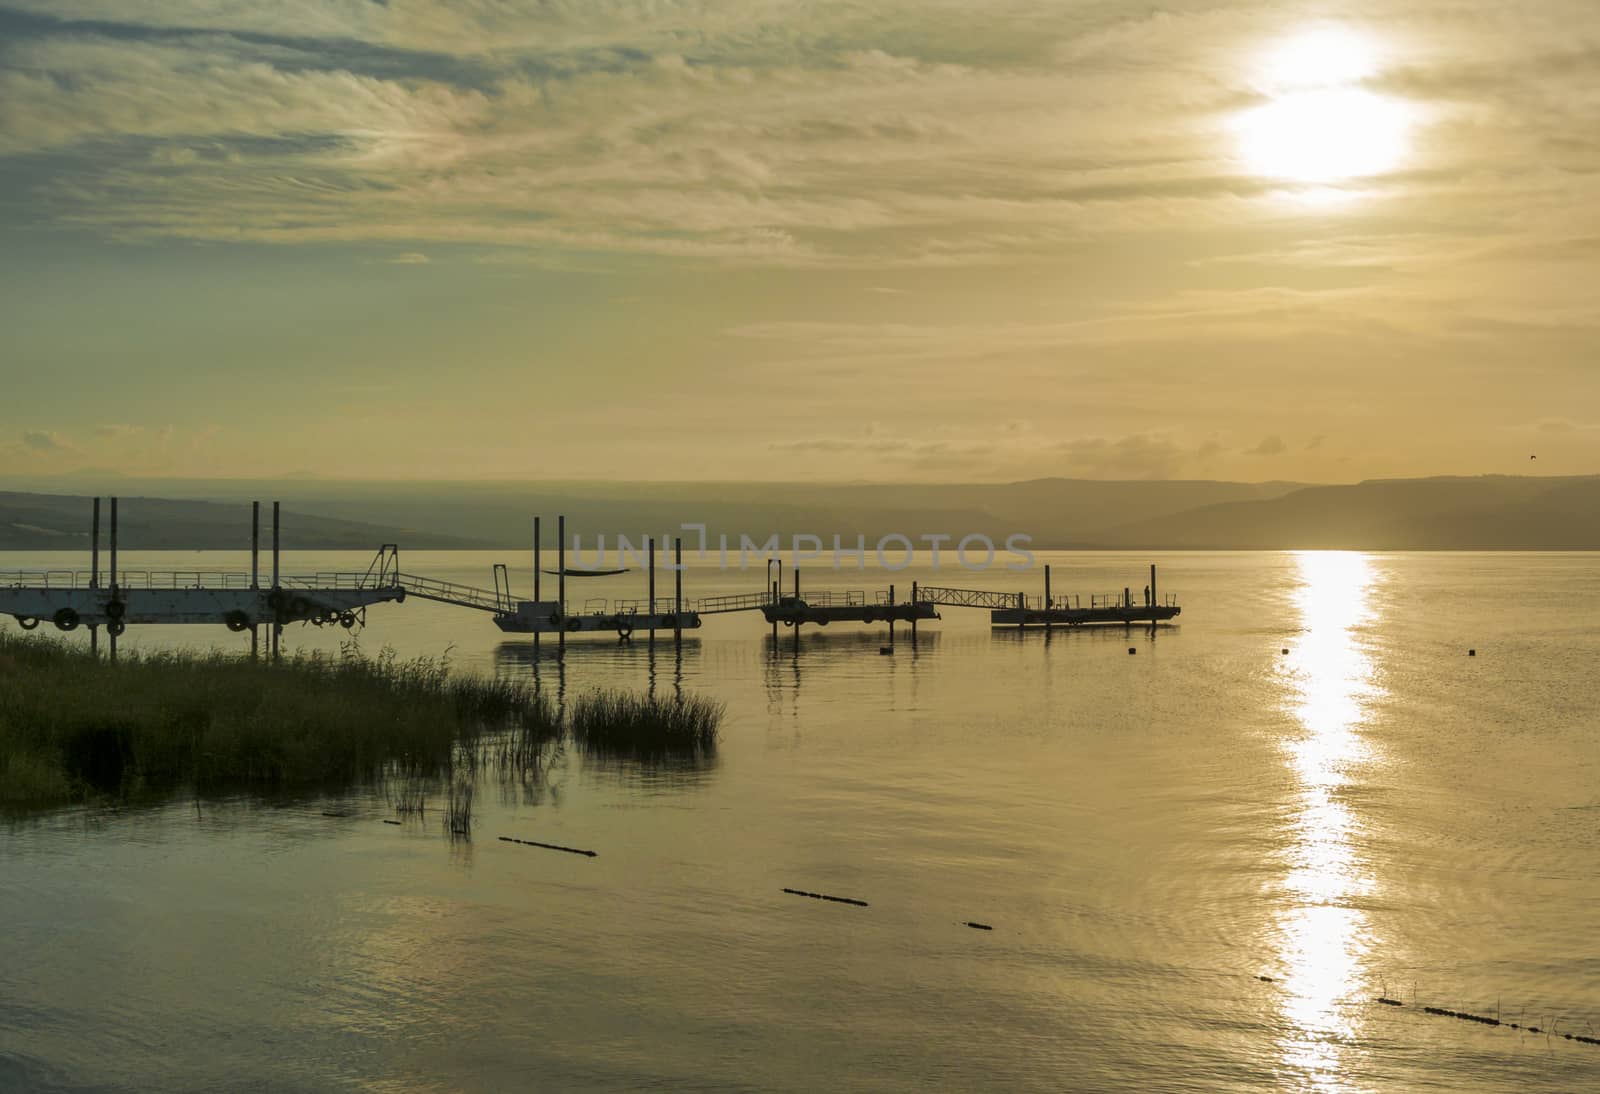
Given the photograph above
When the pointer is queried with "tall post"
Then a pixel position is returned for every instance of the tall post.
(94, 574)
(652, 544)
(1022, 612)
(913, 615)
(277, 615)
(94, 553)
(536, 582)
(561, 578)
(255, 578)
(1049, 605)
(116, 592)
(797, 607)
(774, 613)
(891, 616)
(677, 591)
(1153, 600)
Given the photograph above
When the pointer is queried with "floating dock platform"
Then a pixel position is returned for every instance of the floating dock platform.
(1079, 617)
(848, 607)
(73, 598)
(546, 617)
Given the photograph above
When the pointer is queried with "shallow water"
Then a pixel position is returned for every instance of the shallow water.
(1372, 812)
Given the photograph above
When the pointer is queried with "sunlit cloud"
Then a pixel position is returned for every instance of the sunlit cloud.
(782, 133)
(1143, 224)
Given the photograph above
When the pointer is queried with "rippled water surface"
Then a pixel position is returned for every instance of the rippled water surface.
(1373, 812)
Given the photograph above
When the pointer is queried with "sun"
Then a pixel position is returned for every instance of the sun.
(1320, 125)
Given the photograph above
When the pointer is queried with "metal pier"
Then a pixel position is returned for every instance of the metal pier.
(69, 599)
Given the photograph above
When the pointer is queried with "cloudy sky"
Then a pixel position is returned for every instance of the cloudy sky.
(879, 240)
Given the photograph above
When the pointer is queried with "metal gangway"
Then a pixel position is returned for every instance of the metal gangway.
(964, 598)
(449, 592)
(736, 602)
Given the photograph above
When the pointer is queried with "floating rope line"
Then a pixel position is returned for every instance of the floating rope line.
(825, 896)
(1489, 1020)
(972, 923)
(549, 846)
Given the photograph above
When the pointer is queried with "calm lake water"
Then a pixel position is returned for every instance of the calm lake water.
(1373, 812)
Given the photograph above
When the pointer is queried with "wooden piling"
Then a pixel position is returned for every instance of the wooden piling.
(115, 590)
(277, 578)
(94, 575)
(652, 542)
(536, 546)
(677, 592)
(561, 578)
(891, 617)
(1049, 605)
(1022, 612)
(913, 614)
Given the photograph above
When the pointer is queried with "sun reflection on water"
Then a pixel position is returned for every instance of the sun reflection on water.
(1323, 933)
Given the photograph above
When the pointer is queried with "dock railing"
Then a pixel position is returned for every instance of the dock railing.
(176, 579)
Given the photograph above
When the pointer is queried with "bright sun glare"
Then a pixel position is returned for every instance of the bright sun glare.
(1320, 125)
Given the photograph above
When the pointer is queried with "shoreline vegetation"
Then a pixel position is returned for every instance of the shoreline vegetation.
(75, 728)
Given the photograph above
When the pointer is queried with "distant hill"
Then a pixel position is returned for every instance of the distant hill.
(1493, 512)
(1488, 513)
(1056, 512)
(60, 522)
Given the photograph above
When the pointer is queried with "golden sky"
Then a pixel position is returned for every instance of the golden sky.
(784, 239)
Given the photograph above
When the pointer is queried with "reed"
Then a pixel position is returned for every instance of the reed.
(461, 785)
(625, 723)
(73, 727)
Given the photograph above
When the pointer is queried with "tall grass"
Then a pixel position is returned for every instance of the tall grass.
(73, 726)
(628, 724)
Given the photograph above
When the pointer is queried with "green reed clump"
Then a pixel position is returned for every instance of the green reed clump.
(73, 726)
(627, 723)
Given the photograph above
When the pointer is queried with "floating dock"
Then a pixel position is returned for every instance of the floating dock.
(116, 598)
(1020, 610)
(546, 617)
(70, 599)
(847, 607)
(1079, 617)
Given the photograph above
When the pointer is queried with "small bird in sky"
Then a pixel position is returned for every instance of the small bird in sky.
(1533, 457)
